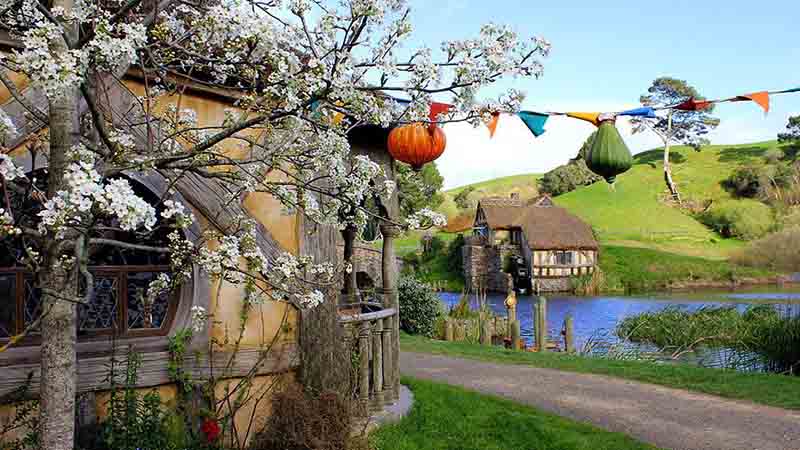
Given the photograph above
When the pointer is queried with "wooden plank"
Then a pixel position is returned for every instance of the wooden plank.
(93, 372)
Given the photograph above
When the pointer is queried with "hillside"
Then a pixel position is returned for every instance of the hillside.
(633, 212)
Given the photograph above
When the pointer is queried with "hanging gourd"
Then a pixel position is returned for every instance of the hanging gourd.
(608, 155)
(416, 144)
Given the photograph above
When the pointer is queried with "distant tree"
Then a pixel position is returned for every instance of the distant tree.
(791, 136)
(418, 190)
(675, 126)
(462, 198)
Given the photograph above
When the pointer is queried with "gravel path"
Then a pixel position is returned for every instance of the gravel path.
(665, 417)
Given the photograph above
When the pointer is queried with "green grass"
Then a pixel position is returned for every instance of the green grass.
(452, 418)
(524, 184)
(767, 389)
(643, 269)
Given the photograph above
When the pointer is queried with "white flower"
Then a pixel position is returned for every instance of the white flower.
(8, 169)
(199, 317)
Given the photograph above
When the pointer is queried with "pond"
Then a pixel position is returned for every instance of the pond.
(599, 315)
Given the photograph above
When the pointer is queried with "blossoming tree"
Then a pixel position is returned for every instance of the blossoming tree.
(305, 73)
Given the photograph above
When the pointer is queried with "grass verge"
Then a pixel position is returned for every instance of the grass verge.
(643, 269)
(447, 417)
(767, 389)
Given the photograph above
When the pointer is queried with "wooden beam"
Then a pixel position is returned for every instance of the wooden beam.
(93, 371)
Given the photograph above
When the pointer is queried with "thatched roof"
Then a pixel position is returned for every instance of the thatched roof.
(501, 212)
(546, 226)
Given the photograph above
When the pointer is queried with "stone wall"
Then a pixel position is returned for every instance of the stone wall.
(483, 266)
(552, 284)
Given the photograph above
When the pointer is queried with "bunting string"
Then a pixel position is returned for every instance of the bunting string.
(535, 121)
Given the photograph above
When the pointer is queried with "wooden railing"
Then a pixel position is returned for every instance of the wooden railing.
(375, 347)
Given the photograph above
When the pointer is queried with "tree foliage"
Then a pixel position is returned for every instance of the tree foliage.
(462, 198)
(299, 77)
(688, 127)
(418, 190)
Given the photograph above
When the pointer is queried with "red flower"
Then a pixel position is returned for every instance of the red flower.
(211, 429)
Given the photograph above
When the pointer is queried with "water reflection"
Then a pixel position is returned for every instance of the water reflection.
(595, 314)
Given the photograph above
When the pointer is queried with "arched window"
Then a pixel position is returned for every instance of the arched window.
(121, 277)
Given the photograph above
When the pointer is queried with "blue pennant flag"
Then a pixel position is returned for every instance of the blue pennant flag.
(645, 111)
(534, 121)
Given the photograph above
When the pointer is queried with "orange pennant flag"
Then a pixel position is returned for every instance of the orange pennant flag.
(592, 117)
(492, 125)
(762, 98)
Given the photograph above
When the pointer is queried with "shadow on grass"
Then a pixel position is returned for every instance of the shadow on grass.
(741, 154)
(652, 157)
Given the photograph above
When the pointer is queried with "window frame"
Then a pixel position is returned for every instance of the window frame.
(120, 273)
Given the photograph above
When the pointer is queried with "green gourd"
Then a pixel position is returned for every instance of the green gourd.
(608, 155)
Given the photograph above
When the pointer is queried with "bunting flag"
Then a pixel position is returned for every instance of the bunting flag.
(591, 117)
(645, 111)
(534, 121)
(436, 109)
(693, 105)
(492, 125)
(762, 98)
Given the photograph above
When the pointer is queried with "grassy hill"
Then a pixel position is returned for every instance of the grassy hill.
(633, 212)
(524, 184)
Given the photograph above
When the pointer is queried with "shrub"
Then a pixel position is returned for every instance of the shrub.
(745, 181)
(742, 219)
(567, 178)
(303, 421)
(777, 251)
(419, 307)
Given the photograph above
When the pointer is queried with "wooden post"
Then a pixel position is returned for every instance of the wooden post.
(377, 366)
(515, 335)
(486, 333)
(542, 324)
(363, 366)
(536, 341)
(569, 336)
(448, 330)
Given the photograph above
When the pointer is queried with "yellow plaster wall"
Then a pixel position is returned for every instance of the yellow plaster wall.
(20, 81)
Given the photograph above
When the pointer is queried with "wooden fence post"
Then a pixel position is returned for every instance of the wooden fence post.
(542, 324)
(569, 334)
(515, 335)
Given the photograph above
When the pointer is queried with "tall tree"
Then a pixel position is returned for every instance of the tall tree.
(418, 190)
(296, 67)
(675, 126)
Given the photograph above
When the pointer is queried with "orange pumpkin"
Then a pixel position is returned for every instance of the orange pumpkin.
(416, 144)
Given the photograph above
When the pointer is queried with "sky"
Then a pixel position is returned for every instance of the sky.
(604, 56)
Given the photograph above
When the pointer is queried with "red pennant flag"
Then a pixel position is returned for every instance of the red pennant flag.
(762, 98)
(693, 105)
(436, 109)
(492, 125)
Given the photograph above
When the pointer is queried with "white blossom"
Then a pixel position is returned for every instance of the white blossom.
(199, 318)
(8, 169)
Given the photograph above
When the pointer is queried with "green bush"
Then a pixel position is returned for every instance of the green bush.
(746, 219)
(420, 307)
(745, 181)
(455, 261)
(567, 178)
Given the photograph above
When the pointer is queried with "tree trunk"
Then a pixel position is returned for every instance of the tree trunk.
(673, 189)
(59, 288)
